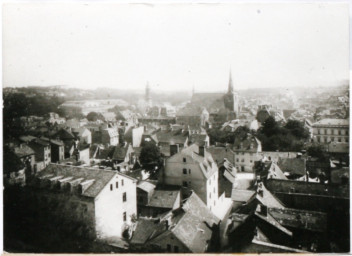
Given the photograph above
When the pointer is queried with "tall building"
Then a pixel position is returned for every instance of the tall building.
(231, 98)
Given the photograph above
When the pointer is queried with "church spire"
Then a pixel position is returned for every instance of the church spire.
(147, 92)
(230, 88)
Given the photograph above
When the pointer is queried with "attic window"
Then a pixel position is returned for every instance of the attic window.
(122, 183)
(117, 184)
(111, 187)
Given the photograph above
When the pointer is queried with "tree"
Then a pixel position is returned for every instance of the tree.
(94, 116)
(297, 129)
(150, 156)
(316, 150)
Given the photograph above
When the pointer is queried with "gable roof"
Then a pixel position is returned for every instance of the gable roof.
(144, 230)
(101, 177)
(268, 199)
(194, 228)
(205, 162)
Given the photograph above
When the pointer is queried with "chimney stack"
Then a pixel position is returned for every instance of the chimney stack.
(202, 151)
(174, 149)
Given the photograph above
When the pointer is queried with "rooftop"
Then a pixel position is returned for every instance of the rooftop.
(332, 122)
(164, 198)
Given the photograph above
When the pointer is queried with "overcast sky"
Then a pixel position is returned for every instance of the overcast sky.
(175, 46)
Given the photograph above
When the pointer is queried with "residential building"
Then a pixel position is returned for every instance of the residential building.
(83, 134)
(189, 229)
(42, 151)
(102, 201)
(110, 136)
(247, 150)
(331, 130)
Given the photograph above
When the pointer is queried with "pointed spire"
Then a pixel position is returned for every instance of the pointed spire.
(147, 92)
(230, 88)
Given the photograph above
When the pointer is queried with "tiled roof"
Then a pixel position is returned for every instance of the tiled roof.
(192, 229)
(120, 152)
(163, 198)
(145, 228)
(332, 122)
(101, 177)
(171, 137)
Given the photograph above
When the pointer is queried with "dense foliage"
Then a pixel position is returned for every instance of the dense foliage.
(17, 105)
(290, 137)
(94, 116)
(150, 156)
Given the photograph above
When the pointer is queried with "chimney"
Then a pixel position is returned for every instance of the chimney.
(201, 151)
(174, 149)
(264, 210)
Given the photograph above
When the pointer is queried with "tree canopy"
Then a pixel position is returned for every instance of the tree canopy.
(150, 156)
(94, 116)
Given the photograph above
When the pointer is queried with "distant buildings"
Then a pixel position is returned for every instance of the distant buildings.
(331, 130)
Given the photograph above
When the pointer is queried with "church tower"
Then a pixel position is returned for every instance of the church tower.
(148, 98)
(231, 98)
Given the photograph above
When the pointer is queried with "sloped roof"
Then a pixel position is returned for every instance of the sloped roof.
(171, 137)
(205, 162)
(245, 143)
(240, 195)
(23, 151)
(192, 229)
(190, 110)
(64, 134)
(144, 230)
(268, 199)
(163, 198)
(332, 122)
(292, 165)
(12, 163)
(120, 152)
(27, 138)
(101, 177)
(198, 139)
(146, 186)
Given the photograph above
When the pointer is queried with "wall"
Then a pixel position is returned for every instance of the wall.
(109, 207)
(172, 240)
(84, 156)
(137, 136)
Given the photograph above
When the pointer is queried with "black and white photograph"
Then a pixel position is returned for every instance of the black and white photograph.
(176, 127)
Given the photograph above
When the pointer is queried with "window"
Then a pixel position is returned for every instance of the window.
(175, 248)
(184, 160)
(346, 140)
(189, 183)
(122, 182)
(124, 197)
(346, 132)
(189, 171)
(237, 160)
(184, 171)
(339, 139)
(111, 187)
(210, 195)
(185, 184)
(326, 131)
(124, 216)
(168, 247)
(117, 184)
(339, 131)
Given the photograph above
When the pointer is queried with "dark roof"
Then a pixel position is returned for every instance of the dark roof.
(302, 219)
(27, 138)
(163, 198)
(245, 143)
(144, 229)
(120, 152)
(12, 163)
(219, 153)
(193, 228)
(101, 177)
(190, 110)
(292, 165)
(23, 150)
(65, 135)
(198, 139)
